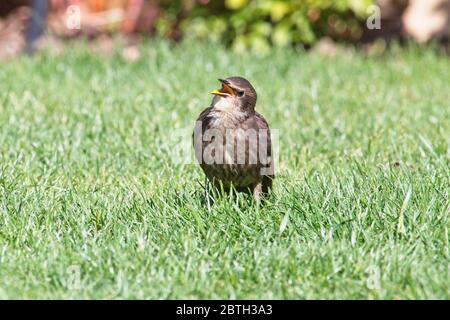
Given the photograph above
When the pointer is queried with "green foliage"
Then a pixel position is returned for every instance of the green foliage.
(260, 24)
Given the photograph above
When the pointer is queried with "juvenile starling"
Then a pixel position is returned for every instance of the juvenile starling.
(232, 141)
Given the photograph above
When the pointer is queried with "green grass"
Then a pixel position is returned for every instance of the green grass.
(86, 181)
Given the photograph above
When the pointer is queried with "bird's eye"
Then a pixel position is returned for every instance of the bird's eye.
(240, 93)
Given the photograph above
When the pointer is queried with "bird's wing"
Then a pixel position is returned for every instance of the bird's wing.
(201, 125)
(202, 121)
(204, 114)
(259, 123)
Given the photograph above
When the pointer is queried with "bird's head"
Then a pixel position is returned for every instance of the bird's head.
(236, 93)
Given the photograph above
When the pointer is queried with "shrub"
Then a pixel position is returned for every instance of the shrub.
(259, 24)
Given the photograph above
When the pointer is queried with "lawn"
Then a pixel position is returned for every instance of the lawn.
(89, 192)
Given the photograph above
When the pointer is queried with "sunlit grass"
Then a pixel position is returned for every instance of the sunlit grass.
(86, 183)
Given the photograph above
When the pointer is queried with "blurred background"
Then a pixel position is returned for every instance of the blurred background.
(256, 25)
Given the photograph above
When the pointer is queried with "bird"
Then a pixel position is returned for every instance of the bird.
(232, 140)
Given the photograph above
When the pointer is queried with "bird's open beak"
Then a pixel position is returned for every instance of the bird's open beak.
(226, 90)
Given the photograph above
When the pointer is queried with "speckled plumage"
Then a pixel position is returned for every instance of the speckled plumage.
(236, 120)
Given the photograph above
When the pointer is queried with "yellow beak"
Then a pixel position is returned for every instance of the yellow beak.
(224, 91)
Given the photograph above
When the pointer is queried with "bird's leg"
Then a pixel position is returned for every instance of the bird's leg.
(257, 190)
(207, 190)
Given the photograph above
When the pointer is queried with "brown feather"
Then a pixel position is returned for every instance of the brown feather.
(239, 121)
